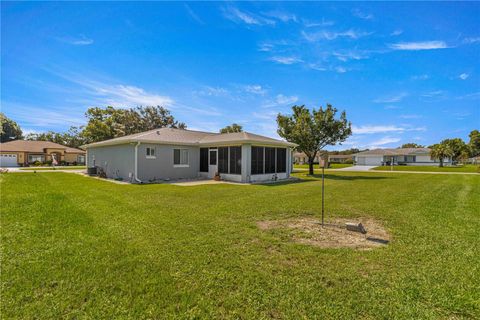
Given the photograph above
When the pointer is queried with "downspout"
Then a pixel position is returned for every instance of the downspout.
(136, 164)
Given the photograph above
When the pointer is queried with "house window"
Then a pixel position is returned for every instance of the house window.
(180, 157)
(81, 159)
(223, 160)
(257, 160)
(36, 157)
(270, 160)
(150, 153)
(281, 160)
(235, 160)
(203, 159)
(409, 158)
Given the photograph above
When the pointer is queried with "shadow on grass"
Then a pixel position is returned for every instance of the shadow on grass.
(335, 177)
(283, 183)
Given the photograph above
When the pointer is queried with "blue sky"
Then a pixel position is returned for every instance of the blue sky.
(403, 72)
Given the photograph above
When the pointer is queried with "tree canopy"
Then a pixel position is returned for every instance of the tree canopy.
(9, 129)
(440, 151)
(458, 147)
(314, 130)
(107, 123)
(474, 143)
(412, 145)
(232, 128)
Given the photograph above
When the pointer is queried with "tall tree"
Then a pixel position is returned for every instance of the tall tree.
(9, 129)
(314, 130)
(111, 123)
(412, 145)
(474, 143)
(441, 151)
(458, 147)
(233, 128)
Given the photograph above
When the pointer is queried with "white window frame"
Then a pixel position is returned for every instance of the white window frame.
(41, 156)
(184, 158)
(149, 154)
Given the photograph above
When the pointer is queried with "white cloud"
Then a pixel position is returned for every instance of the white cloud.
(238, 16)
(316, 66)
(391, 107)
(471, 40)
(323, 23)
(371, 129)
(255, 89)
(341, 69)
(77, 41)
(193, 14)
(126, 96)
(421, 77)
(382, 142)
(422, 45)
(464, 76)
(331, 35)
(286, 60)
(362, 15)
(396, 32)
(281, 15)
(390, 99)
(473, 96)
(265, 47)
(213, 91)
(434, 94)
(280, 100)
(410, 116)
(349, 55)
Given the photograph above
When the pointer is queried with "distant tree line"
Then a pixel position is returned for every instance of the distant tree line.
(102, 124)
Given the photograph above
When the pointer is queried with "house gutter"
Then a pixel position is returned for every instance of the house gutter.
(136, 164)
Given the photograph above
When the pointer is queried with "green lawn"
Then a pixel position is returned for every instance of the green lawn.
(76, 247)
(54, 168)
(464, 168)
(316, 166)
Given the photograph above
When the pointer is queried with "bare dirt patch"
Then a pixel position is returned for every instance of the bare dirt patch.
(332, 235)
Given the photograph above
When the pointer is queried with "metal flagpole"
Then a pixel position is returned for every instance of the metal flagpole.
(323, 193)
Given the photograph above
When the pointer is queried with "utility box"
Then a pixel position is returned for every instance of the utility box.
(357, 227)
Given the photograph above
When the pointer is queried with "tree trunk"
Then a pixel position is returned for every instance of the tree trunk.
(310, 166)
(441, 162)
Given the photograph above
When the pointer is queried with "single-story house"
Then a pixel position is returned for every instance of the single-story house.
(399, 156)
(171, 154)
(301, 158)
(23, 152)
(340, 158)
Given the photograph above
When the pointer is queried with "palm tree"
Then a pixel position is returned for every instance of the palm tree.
(441, 151)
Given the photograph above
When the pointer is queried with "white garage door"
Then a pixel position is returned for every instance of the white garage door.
(8, 160)
(369, 161)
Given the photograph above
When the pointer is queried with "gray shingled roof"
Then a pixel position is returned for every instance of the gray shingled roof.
(190, 137)
(394, 152)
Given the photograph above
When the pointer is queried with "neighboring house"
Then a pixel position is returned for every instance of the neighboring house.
(23, 152)
(170, 154)
(340, 158)
(399, 156)
(301, 158)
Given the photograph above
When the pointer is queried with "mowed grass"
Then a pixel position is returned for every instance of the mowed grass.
(464, 168)
(317, 167)
(76, 247)
(54, 168)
